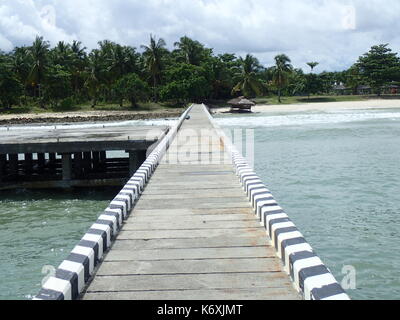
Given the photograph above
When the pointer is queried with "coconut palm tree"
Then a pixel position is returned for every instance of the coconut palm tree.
(312, 65)
(281, 72)
(190, 50)
(94, 77)
(78, 65)
(248, 82)
(38, 52)
(21, 61)
(153, 60)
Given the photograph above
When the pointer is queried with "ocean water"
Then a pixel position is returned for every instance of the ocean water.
(40, 228)
(38, 231)
(337, 175)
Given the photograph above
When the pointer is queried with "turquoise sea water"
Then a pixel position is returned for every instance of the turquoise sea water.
(40, 228)
(337, 175)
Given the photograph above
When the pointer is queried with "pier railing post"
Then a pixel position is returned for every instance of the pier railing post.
(66, 166)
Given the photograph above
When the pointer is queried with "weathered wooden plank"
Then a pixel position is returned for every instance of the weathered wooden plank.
(144, 217)
(191, 266)
(134, 225)
(184, 234)
(215, 242)
(207, 193)
(194, 253)
(188, 203)
(259, 293)
(190, 282)
(192, 211)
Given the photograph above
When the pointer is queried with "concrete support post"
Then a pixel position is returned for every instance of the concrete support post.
(13, 164)
(66, 166)
(3, 159)
(41, 162)
(96, 161)
(28, 163)
(78, 164)
(52, 162)
(87, 162)
(103, 161)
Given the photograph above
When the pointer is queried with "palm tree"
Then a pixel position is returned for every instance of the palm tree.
(38, 53)
(78, 64)
(249, 84)
(312, 65)
(21, 61)
(94, 77)
(191, 50)
(311, 77)
(153, 60)
(281, 71)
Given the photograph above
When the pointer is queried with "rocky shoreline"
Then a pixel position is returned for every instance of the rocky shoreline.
(85, 117)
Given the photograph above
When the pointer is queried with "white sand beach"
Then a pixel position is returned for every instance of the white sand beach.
(323, 106)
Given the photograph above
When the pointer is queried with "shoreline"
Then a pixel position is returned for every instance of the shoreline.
(106, 116)
(318, 106)
(88, 116)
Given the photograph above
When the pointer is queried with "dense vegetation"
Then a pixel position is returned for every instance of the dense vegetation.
(68, 74)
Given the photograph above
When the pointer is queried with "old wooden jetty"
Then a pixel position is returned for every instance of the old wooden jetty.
(188, 226)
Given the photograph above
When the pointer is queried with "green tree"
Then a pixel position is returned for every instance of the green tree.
(132, 88)
(379, 67)
(185, 82)
(297, 83)
(312, 65)
(10, 86)
(94, 76)
(248, 81)
(79, 62)
(58, 85)
(353, 78)
(153, 57)
(39, 57)
(191, 51)
(281, 72)
(312, 80)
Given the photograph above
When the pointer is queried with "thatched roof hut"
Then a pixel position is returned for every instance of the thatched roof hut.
(241, 103)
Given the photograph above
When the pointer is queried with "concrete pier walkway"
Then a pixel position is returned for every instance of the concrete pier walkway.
(193, 233)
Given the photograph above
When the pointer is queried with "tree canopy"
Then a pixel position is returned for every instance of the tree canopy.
(379, 67)
(69, 74)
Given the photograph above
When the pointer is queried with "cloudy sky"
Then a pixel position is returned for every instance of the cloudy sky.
(332, 32)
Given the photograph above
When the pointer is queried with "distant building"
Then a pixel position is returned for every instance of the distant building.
(341, 90)
(364, 89)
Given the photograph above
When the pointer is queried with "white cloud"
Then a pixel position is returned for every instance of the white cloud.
(333, 32)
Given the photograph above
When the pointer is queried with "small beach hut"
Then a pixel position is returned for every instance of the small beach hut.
(241, 104)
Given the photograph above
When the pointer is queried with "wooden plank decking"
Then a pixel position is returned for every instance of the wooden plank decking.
(192, 235)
